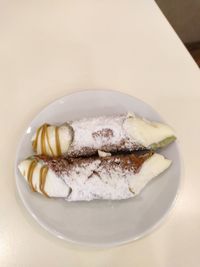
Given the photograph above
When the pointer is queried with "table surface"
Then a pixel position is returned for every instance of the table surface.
(51, 48)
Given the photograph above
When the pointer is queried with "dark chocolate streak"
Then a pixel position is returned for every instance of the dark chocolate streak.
(89, 151)
(130, 162)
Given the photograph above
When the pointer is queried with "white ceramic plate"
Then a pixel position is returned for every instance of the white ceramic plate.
(99, 223)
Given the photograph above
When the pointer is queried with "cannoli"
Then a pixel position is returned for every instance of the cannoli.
(84, 137)
(97, 177)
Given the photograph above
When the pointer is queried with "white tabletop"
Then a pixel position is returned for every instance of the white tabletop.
(51, 48)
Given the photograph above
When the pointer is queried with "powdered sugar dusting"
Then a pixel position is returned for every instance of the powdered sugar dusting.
(101, 133)
(97, 177)
(94, 182)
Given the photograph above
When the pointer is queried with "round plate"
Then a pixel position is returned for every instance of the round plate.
(99, 223)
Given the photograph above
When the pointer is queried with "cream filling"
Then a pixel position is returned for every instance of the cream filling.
(151, 168)
(145, 132)
(65, 134)
(54, 186)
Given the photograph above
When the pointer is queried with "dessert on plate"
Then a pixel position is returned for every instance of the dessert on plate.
(107, 177)
(84, 137)
(106, 157)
